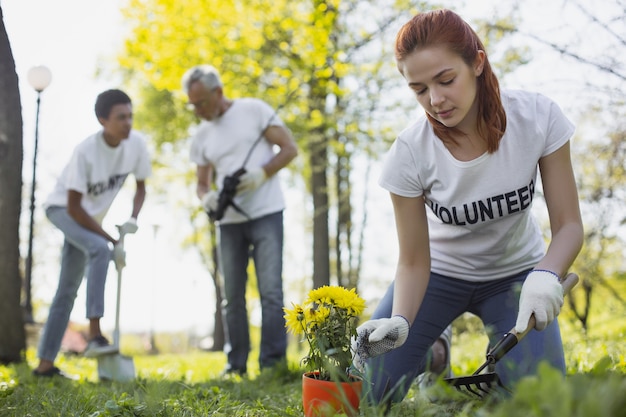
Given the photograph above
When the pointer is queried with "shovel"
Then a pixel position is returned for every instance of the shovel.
(115, 366)
(481, 385)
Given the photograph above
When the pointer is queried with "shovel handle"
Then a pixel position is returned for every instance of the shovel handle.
(511, 338)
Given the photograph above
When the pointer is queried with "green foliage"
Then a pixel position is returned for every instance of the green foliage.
(188, 384)
(504, 58)
(122, 406)
(599, 393)
(303, 55)
(162, 108)
(325, 65)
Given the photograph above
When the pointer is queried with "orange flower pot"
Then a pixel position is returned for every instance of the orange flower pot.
(322, 398)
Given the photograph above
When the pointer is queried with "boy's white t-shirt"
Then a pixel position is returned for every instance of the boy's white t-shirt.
(225, 142)
(479, 217)
(98, 171)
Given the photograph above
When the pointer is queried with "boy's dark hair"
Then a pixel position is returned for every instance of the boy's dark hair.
(107, 99)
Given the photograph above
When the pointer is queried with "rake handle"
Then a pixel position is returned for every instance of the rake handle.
(512, 338)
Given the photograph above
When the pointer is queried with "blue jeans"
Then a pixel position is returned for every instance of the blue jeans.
(262, 239)
(83, 251)
(494, 302)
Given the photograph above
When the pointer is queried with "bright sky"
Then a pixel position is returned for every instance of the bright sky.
(70, 37)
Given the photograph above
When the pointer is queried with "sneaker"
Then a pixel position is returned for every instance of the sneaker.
(53, 372)
(446, 338)
(99, 346)
(229, 372)
(428, 378)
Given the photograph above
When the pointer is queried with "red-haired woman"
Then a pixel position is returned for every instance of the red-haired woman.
(462, 180)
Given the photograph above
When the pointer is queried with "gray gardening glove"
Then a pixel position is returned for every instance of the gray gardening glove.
(375, 337)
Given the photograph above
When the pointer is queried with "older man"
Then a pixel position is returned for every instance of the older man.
(243, 143)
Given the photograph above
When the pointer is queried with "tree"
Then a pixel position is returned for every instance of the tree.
(593, 43)
(602, 182)
(12, 336)
(295, 55)
(305, 58)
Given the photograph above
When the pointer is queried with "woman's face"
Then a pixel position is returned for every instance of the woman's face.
(445, 86)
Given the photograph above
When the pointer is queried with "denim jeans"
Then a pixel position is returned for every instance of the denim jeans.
(494, 302)
(262, 239)
(83, 251)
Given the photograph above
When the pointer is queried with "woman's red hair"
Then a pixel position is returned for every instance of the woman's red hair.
(444, 27)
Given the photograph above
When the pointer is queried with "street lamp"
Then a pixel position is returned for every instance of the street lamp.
(39, 78)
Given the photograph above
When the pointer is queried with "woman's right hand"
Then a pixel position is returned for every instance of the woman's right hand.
(375, 337)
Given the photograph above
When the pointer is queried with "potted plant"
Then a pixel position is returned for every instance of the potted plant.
(327, 320)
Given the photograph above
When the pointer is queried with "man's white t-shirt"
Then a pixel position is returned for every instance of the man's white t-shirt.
(225, 142)
(479, 217)
(98, 171)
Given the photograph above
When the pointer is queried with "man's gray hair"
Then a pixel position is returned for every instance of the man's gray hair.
(206, 74)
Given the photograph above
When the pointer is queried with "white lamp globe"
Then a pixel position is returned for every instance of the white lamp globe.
(39, 77)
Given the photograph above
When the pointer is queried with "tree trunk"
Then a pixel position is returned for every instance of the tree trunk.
(344, 250)
(319, 189)
(12, 336)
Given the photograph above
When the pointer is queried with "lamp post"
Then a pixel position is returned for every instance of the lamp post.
(39, 78)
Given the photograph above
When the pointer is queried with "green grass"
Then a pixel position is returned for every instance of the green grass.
(188, 384)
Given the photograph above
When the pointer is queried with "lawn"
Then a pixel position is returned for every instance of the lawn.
(188, 384)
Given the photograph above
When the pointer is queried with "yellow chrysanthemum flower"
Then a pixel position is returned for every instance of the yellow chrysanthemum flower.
(327, 318)
(294, 319)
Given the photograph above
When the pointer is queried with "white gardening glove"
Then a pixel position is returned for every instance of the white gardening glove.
(251, 180)
(375, 337)
(542, 295)
(119, 255)
(129, 227)
(210, 200)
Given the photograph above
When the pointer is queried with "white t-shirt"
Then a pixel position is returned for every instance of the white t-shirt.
(225, 142)
(480, 222)
(98, 171)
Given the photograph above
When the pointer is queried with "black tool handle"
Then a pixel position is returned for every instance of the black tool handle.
(510, 339)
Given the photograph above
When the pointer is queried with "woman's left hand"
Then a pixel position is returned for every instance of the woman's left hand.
(542, 295)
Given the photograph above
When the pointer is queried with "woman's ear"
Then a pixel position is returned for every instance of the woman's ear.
(479, 63)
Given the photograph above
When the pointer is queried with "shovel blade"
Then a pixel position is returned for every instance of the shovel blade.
(116, 367)
(480, 386)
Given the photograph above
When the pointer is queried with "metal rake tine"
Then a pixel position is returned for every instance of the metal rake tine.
(480, 386)
(474, 389)
(470, 389)
(486, 390)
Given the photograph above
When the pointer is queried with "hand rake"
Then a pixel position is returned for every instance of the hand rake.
(481, 385)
